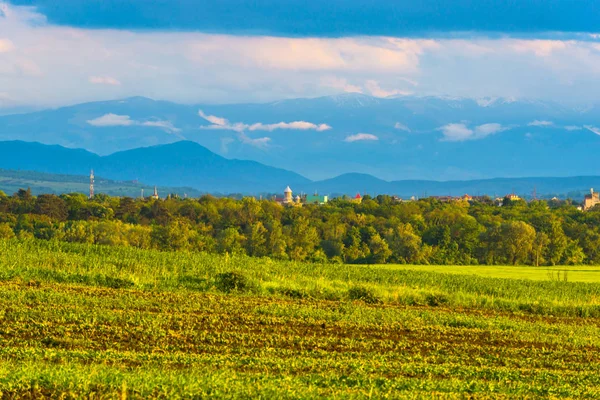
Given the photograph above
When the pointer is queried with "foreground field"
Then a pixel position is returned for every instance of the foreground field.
(107, 322)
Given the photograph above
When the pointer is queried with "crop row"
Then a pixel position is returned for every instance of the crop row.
(59, 339)
(115, 267)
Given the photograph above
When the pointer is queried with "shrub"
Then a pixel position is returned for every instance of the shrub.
(293, 293)
(233, 282)
(436, 299)
(363, 294)
(112, 282)
(6, 231)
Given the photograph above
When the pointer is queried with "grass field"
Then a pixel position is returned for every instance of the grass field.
(106, 322)
(570, 273)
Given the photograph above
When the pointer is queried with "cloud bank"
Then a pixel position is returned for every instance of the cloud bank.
(401, 127)
(222, 123)
(460, 132)
(540, 123)
(43, 64)
(361, 137)
(104, 80)
(112, 120)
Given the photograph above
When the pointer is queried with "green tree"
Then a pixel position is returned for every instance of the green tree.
(517, 241)
(302, 239)
(404, 244)
(230, 241)
(379, 249)
(51, 206)
(256, 240)
(539, 248)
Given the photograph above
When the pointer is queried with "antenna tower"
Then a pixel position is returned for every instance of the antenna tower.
(92, 184)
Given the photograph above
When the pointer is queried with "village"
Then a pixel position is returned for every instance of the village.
(289, 200)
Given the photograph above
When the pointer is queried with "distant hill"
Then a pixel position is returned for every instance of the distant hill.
(44, 183)
(181, 164)
(187, 164)
(571, 187)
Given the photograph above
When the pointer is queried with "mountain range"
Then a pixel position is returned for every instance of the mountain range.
(188, 164)
(396, 138)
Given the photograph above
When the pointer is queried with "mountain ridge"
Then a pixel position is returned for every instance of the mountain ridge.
(188, 164)
(394, 138)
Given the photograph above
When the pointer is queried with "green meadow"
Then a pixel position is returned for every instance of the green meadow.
(569, 273)
(89, 321)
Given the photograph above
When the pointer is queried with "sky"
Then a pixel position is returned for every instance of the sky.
(55, 53)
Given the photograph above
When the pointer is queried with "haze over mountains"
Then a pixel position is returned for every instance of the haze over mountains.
(188, 164)
(391, 138)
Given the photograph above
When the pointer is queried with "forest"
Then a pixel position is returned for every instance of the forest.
(379, 230)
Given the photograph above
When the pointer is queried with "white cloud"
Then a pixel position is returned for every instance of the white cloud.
(104, 80)
(360, 137)
(46, 65)
(165, 125)
(484, 130)
(593, 129)
(6, 46)
(573, 128)
(459, 132)
(296, 125)
(540, 123)
(108, 120)
(112, 120)
(311, 54)
(258, 142)
(376, 90)
(340, 84)
(219, 123)
(212, 119)
(238, 127)
(456, 132)
(402, 127)
(541, 48)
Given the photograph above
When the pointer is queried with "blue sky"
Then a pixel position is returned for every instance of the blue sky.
(332, 18)
(54, 53)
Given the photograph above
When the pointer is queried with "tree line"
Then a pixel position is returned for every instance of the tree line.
(378, 230)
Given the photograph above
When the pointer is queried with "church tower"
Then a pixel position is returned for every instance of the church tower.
(287, 196)
(155, 195)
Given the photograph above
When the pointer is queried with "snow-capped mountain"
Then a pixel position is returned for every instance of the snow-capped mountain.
(401, 137)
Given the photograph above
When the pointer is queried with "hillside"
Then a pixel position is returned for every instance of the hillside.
(44, 183)
(187, 164)
(181, 164)
(562, 187)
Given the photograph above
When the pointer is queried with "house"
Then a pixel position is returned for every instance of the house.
(357, 198)
(466, 197)
(590, 200)
(443, 199)
(512, 197)
(315, 199)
